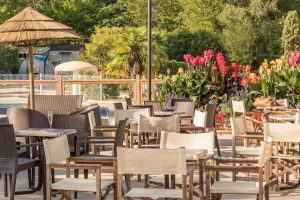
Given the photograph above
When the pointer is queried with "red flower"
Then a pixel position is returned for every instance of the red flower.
(295, 58)
(222, 64)
(236, 70)
(208, 54)
(244, 82)
(248, 70)
(219, 117)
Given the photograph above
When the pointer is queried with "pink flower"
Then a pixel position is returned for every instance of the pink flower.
(295, 58)
(236, 70)
(208, 54)
(219, 117)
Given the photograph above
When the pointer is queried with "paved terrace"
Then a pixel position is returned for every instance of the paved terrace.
(225, 143)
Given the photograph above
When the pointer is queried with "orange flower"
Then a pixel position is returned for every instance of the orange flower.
(244, 82)
(248, 70)
(253, 79)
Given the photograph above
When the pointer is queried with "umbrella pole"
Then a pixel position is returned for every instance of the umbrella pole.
(31, 76)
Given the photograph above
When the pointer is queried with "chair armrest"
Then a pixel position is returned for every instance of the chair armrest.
(74, 166)
(206, 158)
(235, 160)
(93, 159)
(232, 168)
(249, 136)
(30, 145)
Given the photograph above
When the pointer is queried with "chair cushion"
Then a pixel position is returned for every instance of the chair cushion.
(226, 187)
(82, 185)
(250, 151)
(153, 193)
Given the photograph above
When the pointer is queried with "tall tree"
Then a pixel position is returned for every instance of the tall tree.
(130, 53)
(165, 13)
(291, 33)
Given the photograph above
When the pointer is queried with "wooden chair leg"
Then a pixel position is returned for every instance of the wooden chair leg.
(191, 184)
(184, 188)
(5, 185)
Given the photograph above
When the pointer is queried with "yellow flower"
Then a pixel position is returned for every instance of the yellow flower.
(160, 76)
(180, 70)
(174, 78)
(168, 71)
(269, 72)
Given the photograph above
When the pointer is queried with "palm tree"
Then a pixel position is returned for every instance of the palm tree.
(130, 52)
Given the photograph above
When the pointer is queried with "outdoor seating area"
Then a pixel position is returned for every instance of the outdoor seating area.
(175, 155)
(150, 100)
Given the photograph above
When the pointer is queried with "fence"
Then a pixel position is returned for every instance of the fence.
(14, 90)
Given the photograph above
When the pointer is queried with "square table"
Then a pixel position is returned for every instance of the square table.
(44, 132)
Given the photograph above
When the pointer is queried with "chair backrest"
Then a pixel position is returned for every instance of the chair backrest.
(172, 140)
(151, 161)
(77, 122)
(282, 102)
(24, 118)
(58, 104)
(8, 148)
(200, 118)
(135, 107)
(120, 135)
(282, 132)
(210, 109)
(240, 125)
(56, 150)
(155, 104)
(173, 101)
(187, 107)
(265, 153)
(238, 107)
(157, 124)
(94, 117)
(4, 121)
(130, 114)
(128, 101)
(118, 105)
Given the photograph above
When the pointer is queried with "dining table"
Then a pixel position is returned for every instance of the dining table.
(43, 133)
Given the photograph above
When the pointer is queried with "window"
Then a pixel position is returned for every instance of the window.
(65, 56)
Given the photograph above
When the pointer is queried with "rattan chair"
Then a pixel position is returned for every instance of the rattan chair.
(58, 104)
(62, 160)
(132, 114)
(77, 122)
(150, 162)
(118, 105)
(155, 104)
(259, 188)
(10, 164)
(128, 101)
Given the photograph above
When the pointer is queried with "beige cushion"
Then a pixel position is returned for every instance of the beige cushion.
(226, 187)
(250, 151)
(154, 193)
(82, 185)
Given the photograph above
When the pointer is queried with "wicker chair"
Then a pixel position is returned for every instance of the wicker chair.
(10, 164)
(62, 160)
(77, 122)
(59, 104)
(153, 162)
(262, 167)
(128, 101)
(118, 105)
(155, 104)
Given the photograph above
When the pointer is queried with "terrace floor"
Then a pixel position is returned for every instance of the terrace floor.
(225, 143)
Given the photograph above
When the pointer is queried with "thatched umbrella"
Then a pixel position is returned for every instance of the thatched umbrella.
(29, 27)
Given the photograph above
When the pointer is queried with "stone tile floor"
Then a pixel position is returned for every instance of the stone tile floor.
(225, 143)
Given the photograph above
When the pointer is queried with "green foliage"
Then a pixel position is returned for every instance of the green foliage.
(291, 33)
(130, 52)
(182, 41)
(165, 13)
(171, 67)
(226, 109)
(97, 51)
(9, 59)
